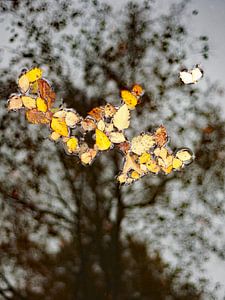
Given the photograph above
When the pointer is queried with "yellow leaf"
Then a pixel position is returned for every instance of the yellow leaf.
(121, 119)
(34, 74)
(129, 99)
(15, 102)
(102, 141)
(135, 175)
(41, 105)
(34, 87)
(168, 170)
(177, 163)
(144, 158)
(28, 102)
(153, 167)
(24, 83)
(59, 125)
(72, 144)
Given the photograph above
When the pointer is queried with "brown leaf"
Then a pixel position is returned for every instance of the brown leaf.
(46, 92)
(38, 117)
(161, 136)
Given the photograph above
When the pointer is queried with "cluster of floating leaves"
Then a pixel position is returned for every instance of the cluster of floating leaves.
(145, 153)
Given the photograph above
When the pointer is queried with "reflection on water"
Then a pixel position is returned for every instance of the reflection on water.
(71, 232)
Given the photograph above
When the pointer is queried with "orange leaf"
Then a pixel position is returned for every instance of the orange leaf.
(97, 113)
(137, 90)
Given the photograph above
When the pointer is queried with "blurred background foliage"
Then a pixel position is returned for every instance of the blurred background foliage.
(69, 231)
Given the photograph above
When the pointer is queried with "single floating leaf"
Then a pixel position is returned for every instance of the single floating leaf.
(192, 76)
(185, 155)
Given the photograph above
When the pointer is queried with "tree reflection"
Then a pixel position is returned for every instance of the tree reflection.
(101, 232)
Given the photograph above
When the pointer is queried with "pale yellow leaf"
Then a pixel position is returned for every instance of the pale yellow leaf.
(117, 137)
(60, 114)
(23, 83)
(15, 102)
(71, 119)
(101, 125)
(142, 143)
(121, 119)
(88, 156)
(184, 155)
(54, 136)
(28, 102)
